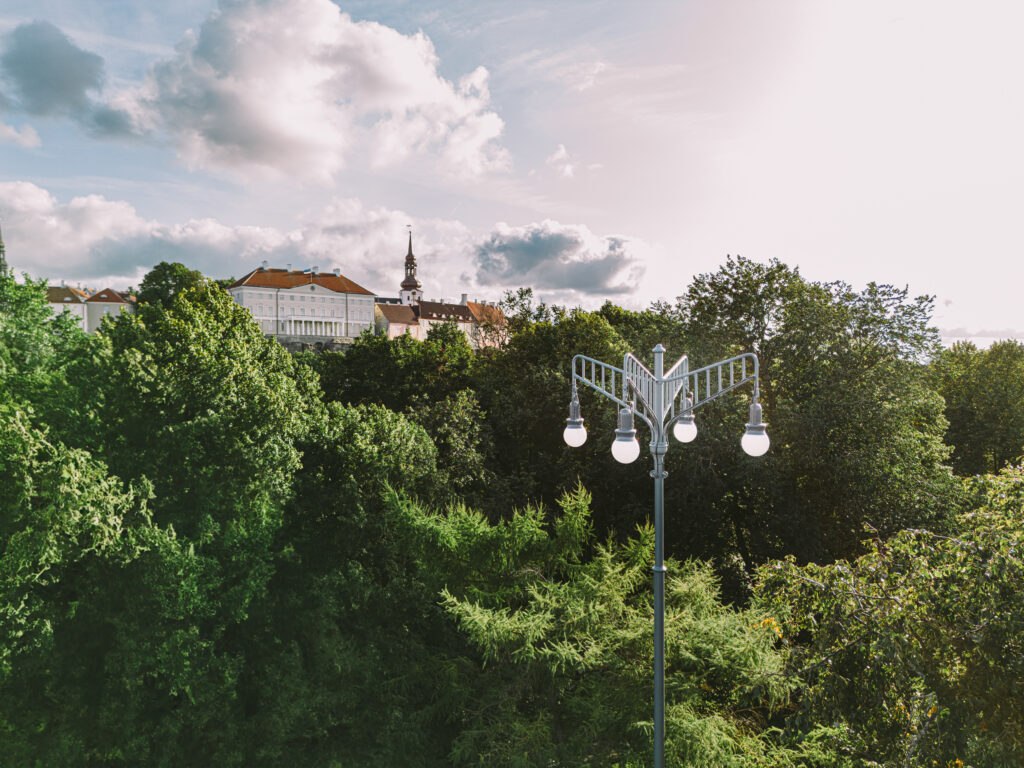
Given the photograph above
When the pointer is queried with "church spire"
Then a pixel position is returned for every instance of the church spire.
(3, 255)
(410, 289)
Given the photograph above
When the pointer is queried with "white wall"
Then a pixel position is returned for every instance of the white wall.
(306, 310)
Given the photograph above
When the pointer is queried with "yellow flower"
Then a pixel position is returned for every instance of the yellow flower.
(771, 622)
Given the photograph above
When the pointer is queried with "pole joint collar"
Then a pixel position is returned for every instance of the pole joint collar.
(659, 569)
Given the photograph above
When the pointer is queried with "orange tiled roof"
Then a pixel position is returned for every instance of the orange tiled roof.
(484, 313)
(282, 278)
(110, 296)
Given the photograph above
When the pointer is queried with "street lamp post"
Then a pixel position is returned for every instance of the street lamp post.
(662, 400)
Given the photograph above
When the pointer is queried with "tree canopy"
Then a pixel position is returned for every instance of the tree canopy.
(984, 394)
(165, 281)
(216, 553)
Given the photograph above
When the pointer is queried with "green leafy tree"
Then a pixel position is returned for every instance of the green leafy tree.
(165, 281)
(984, 394)
(525, 390)
(206, 407)
(36, 347)
(916, 646)
(458, 428)
(197, 409)
(345, 662)
(561, 630)
(856, 427)
(521, 310)
(397, 372)
(644, 330)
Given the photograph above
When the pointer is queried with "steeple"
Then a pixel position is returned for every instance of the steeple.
(410, 289)
(3, 256)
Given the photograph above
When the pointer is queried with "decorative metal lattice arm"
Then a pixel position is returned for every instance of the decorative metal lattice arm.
(614, 383)
(711, 381)
(663, 399)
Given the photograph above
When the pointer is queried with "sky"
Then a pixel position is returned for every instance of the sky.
(591, 150)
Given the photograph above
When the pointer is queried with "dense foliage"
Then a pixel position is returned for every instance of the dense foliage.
(916, 646)
(216, 553)
(984, 394)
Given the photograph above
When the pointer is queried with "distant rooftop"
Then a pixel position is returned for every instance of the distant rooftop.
(264, 277)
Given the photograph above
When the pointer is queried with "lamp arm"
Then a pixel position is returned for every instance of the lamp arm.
(728, 375)
(604, 379)
(617, 400)
(608, 380)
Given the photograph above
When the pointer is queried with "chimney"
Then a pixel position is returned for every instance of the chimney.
(465, 297)
(337, 272)
(263, 266)
(63, 284)
(288, 267)
(315, 270)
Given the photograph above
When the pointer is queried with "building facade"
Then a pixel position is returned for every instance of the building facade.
(411, 314)
(86, 306)
(103, 303)
(305, 305)
(64, 297)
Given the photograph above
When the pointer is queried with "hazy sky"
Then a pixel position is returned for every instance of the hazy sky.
(590, 149)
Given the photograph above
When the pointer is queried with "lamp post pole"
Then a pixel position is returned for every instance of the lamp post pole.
(662, 400)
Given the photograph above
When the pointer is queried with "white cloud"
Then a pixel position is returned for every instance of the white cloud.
(106, 242)
(581, 75)
(26, 136)
(297, 87)
(566, 259)
(561, 162)
(572, 69)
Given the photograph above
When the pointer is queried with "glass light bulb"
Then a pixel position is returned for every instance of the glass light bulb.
(755, 443)
(625, 451)
(685, 431)
(575, 435)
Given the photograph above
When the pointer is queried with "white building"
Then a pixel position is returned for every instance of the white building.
(61, 297)
(305, 305)
(103, 303)
(87, 307)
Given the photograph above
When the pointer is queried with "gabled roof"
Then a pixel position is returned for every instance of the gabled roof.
(65, 294)
(435, 310)
(283, 278)
(110, 296)
(398, 313)
(485, 313)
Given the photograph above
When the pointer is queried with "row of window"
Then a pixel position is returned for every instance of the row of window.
(360, 314)
(245, 297)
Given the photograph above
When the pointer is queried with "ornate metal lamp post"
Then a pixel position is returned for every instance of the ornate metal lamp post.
(662, 401)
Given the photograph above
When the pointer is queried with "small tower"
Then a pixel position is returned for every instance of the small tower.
(410, 293)
(3, 256)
